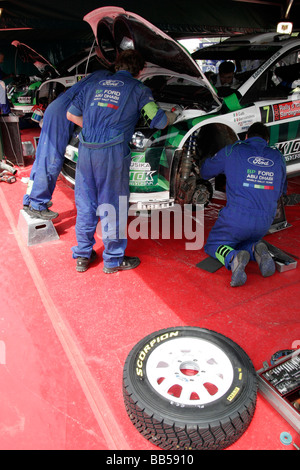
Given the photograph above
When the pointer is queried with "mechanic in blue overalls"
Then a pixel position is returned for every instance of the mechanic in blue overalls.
(108, 114)
(54, 138)
(255, 180)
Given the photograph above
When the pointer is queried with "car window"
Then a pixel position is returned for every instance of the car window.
(278, 81)
(243, 70)
(246, 58)
(286, 72)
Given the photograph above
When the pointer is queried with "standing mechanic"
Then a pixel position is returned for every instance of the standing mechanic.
(108, 114)
(255, 180)
(55, 135)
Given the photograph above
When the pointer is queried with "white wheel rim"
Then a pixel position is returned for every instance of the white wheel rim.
(189, 371)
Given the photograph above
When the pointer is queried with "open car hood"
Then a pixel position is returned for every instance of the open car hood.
(27, 54)
(116, 29)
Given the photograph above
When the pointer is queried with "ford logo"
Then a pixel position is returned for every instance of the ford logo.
(260, 161)
(113, 83)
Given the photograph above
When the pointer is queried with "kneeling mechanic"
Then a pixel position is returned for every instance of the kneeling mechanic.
(255, 180)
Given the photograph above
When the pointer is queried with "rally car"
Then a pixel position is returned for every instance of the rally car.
(165, 163)
(27, 92)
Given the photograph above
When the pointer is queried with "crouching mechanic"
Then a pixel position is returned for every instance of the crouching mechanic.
(108, 113)
(255, 180)
(54, 138)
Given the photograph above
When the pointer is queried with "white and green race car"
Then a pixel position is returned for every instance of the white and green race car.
(165, 163)
(26, 93)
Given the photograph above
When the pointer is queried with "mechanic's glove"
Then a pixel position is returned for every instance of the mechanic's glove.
(171, 117)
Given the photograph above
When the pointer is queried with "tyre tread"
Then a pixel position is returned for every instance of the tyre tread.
(175, 437)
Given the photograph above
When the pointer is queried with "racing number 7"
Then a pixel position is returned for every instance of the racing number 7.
(266, 114)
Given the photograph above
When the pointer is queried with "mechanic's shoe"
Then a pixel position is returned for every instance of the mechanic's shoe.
(129, 262)
(238, 264)
(26, 206)
(45, 214)
(264, 259)
(82, 264)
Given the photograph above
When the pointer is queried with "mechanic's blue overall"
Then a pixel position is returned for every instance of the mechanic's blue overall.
(54, 138)
(255, 180)
(110, 112)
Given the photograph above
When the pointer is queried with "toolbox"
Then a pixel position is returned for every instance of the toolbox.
(279, 383)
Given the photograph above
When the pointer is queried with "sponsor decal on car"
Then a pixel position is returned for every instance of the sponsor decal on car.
(141, 173)
(287, 110)
(266, 65)
(141, 178)
(280, 111)
(290, 149)
(243, 119)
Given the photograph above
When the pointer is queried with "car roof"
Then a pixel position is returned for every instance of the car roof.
(250, 47)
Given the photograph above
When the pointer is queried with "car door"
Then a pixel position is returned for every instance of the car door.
(277, 93)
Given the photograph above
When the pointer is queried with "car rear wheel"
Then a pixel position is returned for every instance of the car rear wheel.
(189, 388)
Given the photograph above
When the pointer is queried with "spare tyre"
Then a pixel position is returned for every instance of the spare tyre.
(189, 388)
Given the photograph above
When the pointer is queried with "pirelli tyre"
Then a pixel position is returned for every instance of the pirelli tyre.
(189, 388)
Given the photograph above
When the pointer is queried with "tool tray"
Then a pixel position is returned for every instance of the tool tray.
(280, 385)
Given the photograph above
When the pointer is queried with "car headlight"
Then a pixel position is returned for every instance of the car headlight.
(139, 140)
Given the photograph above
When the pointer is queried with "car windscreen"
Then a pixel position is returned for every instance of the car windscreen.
(236, 52)
(246, 58)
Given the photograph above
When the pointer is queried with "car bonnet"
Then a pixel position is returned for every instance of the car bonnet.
(27, 54)
(116, 29)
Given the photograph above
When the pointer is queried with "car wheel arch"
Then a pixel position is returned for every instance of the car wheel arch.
(209, 138)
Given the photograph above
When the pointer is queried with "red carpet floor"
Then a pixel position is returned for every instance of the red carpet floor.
(64, 336)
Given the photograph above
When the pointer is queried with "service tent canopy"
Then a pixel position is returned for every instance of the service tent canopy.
(57, 27)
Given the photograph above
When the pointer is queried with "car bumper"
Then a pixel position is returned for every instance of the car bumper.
(138, 201)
